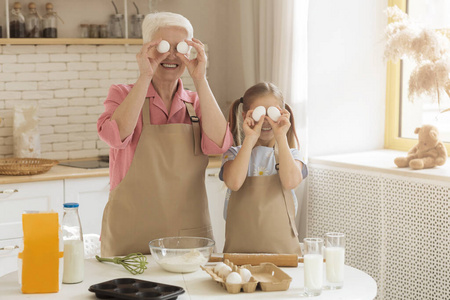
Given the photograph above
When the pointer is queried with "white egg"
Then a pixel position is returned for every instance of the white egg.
(218, 266)
(258, 112)
(163, 46)
(182, 47)
(245, 274)
(234, 277)
(273, 113)
(224, 271)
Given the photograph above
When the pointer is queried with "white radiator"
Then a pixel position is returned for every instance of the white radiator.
(397, 227)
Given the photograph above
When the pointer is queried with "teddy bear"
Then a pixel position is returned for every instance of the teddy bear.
(428, 153)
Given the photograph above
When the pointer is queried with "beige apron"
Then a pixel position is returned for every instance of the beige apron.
(163, 193)
(260, 218)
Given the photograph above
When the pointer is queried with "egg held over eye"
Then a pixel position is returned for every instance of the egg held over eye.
(258, 112)
(273, 113)
(163, 46)
(182, 48)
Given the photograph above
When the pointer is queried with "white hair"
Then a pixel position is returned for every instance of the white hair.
(155, 21)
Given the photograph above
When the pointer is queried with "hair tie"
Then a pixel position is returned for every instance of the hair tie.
(241, 100)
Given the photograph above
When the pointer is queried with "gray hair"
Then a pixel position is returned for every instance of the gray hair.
(155, 21)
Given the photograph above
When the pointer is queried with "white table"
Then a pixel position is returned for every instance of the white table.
(198, 285)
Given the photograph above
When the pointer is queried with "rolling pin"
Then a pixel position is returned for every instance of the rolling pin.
(280, 260)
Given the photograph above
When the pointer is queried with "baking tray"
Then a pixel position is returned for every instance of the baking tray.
(130, 288)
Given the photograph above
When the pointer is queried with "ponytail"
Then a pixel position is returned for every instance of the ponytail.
(291, 134)
(233, 118)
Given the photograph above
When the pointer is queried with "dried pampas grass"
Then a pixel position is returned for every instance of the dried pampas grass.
(427, 47)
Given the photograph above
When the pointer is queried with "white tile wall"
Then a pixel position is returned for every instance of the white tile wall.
(69, 84)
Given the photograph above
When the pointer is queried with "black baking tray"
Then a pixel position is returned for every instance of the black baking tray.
(130, 288)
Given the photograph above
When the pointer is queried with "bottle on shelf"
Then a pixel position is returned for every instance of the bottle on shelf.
(73, 244)
(33, 22)
(116, 25)
(49, 22)
(17, 22)
(84, 30)
(136, 25)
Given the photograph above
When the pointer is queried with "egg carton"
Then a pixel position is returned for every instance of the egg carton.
(267, 276)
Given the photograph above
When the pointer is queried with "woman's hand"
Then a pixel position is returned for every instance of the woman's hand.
(196, 67)
(148, 58)
(280, 127)
(252, 131)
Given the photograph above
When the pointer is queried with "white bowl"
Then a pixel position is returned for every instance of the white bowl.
(181, 254)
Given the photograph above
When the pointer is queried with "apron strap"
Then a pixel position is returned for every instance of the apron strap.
(287, 195)
(195, 125)
(146, 112)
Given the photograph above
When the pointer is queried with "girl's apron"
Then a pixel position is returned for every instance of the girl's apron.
(260, 218)
(163, 193)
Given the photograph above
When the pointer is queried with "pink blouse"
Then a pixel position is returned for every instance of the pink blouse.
(121, 152)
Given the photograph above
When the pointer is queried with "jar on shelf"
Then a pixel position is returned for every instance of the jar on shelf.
(33, 22)
(103, 33)
(49, 22)
(93, 31)
(73, 244)
(136, 25)
(84, 30)
(17, 22)
(116, 25)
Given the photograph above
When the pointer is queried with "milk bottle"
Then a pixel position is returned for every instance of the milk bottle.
(73, 245)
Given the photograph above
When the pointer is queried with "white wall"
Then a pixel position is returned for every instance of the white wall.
(347, 76)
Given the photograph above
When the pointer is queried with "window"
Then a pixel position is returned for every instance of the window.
(402, 115)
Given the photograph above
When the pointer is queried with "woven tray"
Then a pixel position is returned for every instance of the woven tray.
(25, 166)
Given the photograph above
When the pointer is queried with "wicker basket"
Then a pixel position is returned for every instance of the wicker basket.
(25, 166)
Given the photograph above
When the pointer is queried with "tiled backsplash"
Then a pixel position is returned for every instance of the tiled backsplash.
(69, 83)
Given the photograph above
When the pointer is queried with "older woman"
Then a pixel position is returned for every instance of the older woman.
(160, 136)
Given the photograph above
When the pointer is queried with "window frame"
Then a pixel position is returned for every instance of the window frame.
(392, 139)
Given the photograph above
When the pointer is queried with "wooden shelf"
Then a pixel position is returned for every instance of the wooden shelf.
(70, 41)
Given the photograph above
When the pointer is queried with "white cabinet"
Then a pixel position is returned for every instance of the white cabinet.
(92, 194)
(216, 191)
(14, 200)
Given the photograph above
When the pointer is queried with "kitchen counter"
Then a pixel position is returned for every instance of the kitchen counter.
(198, 285)
(62, 172)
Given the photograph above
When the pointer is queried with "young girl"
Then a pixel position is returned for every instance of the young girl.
(261, 173)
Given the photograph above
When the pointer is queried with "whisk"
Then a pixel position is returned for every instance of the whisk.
(135, 263)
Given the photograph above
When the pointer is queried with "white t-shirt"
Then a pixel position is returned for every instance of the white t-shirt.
(262, 163)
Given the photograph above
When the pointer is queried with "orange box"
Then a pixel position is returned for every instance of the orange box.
(41, 253)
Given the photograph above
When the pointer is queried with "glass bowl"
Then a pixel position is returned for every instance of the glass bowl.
(181, 254)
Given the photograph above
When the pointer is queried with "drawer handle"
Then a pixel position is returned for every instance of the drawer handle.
(10, 191)
(9, 247)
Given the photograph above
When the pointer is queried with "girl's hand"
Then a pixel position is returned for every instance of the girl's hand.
(251, 130)
(196, 67)
(148, 58)
(281, 127)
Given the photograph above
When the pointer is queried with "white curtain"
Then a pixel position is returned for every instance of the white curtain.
(274, 47)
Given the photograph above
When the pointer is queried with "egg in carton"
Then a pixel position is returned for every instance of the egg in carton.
(227, 270)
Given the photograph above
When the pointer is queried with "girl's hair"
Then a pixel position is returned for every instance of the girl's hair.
(155, 21)
(256, 91)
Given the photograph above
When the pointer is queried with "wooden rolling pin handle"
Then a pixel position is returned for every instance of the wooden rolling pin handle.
(280, 260)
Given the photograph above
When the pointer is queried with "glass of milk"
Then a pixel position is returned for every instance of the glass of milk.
(313, 266)
(335, 257)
